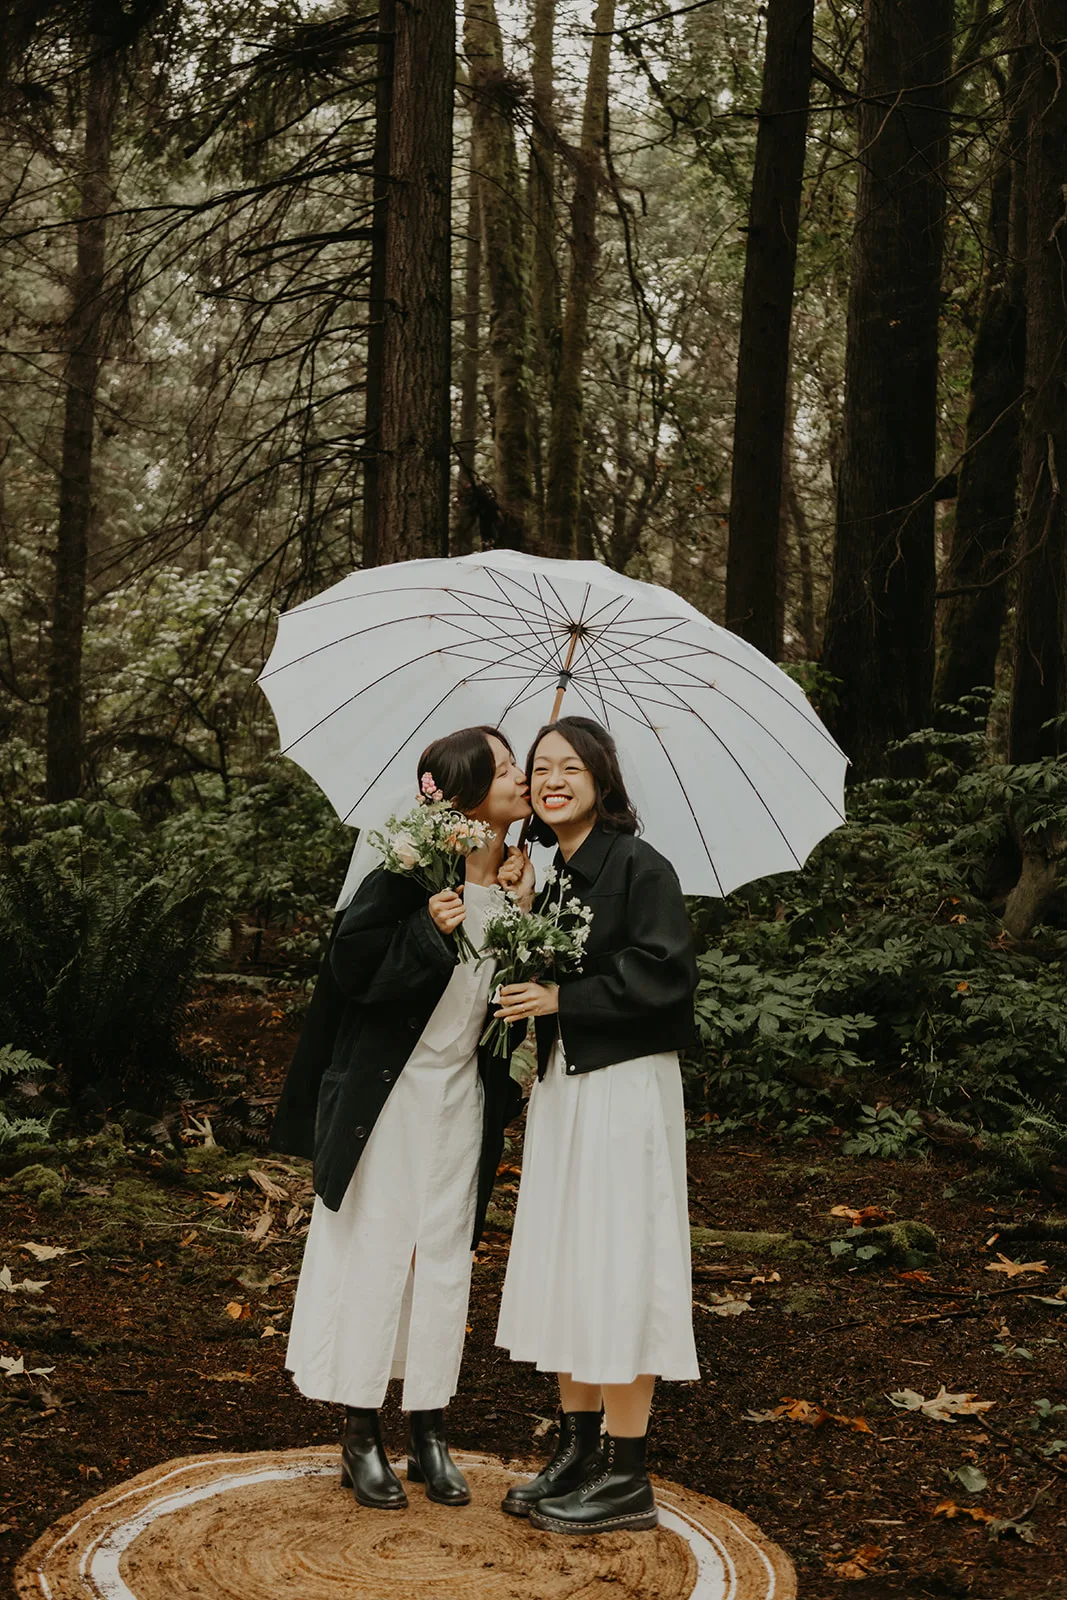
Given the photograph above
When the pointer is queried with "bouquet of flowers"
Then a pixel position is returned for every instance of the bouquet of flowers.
(430, 844)
(532, 946)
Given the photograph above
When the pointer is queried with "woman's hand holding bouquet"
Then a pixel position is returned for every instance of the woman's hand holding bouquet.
(530, 946)
(430, 844)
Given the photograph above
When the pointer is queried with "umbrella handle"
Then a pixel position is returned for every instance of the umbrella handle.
(561, 689)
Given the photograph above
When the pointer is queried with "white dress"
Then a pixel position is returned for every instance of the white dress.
(385, 1280)
(599, 1278)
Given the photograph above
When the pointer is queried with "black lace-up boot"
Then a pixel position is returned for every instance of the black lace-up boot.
(615, 1497)
(577, 1453)
(430, 1463)
(365, 1467)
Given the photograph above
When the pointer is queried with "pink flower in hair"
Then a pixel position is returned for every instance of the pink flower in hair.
(429, 787)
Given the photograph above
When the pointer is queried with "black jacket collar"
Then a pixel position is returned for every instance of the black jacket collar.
(590, 856)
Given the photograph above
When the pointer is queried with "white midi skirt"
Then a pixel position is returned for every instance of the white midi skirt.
(599, 1278)
(385, 1280)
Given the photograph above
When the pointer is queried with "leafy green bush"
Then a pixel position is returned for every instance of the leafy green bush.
(881, 975)
(100, 961)
(14, 1128)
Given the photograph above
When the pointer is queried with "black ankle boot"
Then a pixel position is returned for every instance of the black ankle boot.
(577, 1453)
(430, 1463)
(365, 1467)
(614, 1497)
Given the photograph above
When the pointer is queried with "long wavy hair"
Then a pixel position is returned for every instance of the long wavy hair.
(597, 751)
(462, 764)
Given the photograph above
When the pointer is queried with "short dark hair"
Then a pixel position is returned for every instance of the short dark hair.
(597, 751)
(462, 765)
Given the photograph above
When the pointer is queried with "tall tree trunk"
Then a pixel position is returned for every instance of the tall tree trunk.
(564, 477)
(372, 435)
(544, 253)
(463, 519)
(879, 628)
(753, 605)
(1039, 690)
(416, 398)
(86, 349)
(503, 231)
(975, 578)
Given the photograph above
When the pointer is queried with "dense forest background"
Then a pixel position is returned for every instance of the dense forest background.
(766, 302)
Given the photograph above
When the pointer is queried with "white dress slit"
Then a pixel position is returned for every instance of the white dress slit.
(385, 1280)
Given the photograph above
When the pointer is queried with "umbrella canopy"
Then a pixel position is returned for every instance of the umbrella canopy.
(732, 772)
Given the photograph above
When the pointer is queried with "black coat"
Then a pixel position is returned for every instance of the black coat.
(387, 967)
(634, 995)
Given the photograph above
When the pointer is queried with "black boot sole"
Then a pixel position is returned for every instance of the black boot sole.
(517, 1508)
(636, 1522)
(372, 1505)
(416, 1475)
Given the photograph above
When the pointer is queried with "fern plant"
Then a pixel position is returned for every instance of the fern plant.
(99, 961)
(15, 1129)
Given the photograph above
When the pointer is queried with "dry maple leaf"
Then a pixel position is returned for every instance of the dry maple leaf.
(865, 1559)
(804, 1411)
(237, 1310)
(1014, 1269)
(916, 1275)
(943, 1407)
(45, 1252)
(949, 1509)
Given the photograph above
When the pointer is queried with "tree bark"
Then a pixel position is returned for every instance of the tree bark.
(372, 434)
(1039, 689)
(544, 272)
(879, 629)
(564, 476)
(416, 400)
(463, 520)
(974, 582)
(503, 232)
(86, 349)
(753, 607)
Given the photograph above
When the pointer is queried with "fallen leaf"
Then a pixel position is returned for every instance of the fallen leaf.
(949, 1509)
(45, 1252)
(1015, 1269)
(213, 1198)
(263, 1225)
(272, 1190)
(972, 1479)
(269, 1332)
(866, 1558)
(943, 1406)
(771, 1277)
(542, 1426)
(726, 1305)
(813, 1416)
(14, 1367)
(916, 1275)
(865, 1217)
(228, 1377)
(27, 1286)
(999, 1527)
(237, 1310)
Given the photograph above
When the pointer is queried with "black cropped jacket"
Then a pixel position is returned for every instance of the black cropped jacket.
(634, 995)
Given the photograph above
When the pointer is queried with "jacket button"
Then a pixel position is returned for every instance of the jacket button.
(361, 1133)
(388, 1076)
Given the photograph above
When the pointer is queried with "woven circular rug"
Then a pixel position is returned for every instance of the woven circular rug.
(276, 1526)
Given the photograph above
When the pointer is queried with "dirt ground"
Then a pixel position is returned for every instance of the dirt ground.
(161, 1331)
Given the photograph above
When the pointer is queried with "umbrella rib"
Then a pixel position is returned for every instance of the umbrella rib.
(510, 601)
(406, 741)
(627, 601)
(413, 588)
(403, 665)
(392, 622)
(682, 791)
(697, 681)
(533, 594)
(726, 749)
(680, 700)
(546, 659)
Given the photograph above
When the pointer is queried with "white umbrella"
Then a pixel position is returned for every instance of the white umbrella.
(732, 772)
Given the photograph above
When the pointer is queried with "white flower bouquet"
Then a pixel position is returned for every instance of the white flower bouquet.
(535, 946)
(430, 845)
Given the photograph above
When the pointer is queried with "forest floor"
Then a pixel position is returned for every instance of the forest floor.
(161, 1329)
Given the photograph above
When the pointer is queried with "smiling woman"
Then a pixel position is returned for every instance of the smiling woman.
(408, 1127)
(598, 1285)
